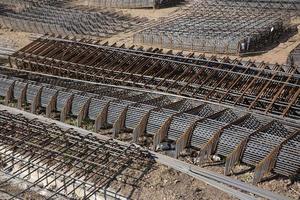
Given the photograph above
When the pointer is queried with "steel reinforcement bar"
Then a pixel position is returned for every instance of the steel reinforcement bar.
(132, 3)
(231, 186)
(66, 163)
(294, 57)
(56, 19)
(257, 140)
(217, 26)
(266, 4)
(259, 87)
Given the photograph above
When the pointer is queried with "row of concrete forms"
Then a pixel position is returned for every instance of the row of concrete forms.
(226, 26)
(55, 163)
(58, 18)
(265, 135)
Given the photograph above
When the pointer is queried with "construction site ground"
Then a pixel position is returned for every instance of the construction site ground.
(278, 54)
(165, 183)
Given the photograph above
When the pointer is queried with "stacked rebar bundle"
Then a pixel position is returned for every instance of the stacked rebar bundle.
(217, 27)
(272, 89)
(131, 3)
(268, 4)
(47, 19)
(209, 128)
(123, 3)
(101, 3)
(65, 163)
(294, 57)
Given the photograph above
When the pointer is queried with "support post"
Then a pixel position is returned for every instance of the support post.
(140, 129)
(161, 133)
(101, 120)
(210, 147)
(22, 98)
(182, 142)
(119, 124)
(51, 105)
(268, 163)
(9, 94)
(36, 103)
(83, 112)
(66, 109)
(236, 155)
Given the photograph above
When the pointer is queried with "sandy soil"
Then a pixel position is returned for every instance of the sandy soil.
(152, 14)
(275, 183)
(13, 39)
(280, 53)
(163, 183)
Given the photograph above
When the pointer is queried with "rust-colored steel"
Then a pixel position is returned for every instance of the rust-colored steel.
(239, 136)
(65, 163)
(261, 87)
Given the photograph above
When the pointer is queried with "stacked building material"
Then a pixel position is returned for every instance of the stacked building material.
(131, 3)
(294, 57)
(260, 87)
(218, 27)
(65, 164)
(44, 18)
(209, 128)
(269, 4)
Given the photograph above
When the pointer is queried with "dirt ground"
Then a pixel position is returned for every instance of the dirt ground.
(152, 14)
(17, 40)
(163, 183)
(280, 53)
(13, 39)
(277, 184)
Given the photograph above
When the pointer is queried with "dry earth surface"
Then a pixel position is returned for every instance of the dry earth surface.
(271, 182)
(163, 183)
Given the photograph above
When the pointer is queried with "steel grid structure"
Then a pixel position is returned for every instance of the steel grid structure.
(294, 57)
(233, 187)
(49, 19)
(66, 163)
(218, 27)
(211, 129)
(100, 3)
(263, 88)
(31, 2)
(131, 3)
(267, 4)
